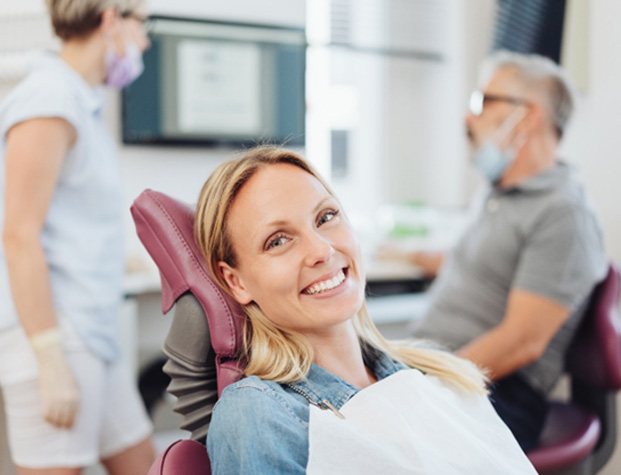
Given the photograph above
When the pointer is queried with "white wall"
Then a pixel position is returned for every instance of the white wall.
(595, 146)
(275, 12)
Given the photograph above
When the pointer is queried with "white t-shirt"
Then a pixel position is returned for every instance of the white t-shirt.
(82, 233)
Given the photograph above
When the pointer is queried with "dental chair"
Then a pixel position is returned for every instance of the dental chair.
(579, 435)
(205, 319)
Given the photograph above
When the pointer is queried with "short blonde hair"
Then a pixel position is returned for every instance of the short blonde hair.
(275, 353)
(79, 18)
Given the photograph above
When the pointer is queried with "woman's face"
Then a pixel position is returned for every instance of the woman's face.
(132, 29)
(297, 257)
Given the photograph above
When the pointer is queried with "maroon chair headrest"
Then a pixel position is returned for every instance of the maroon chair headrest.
(165, 228)
(595, 356)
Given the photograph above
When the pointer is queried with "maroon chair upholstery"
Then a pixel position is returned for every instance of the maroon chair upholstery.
(183, 457)
(579, 435)
(165, 227)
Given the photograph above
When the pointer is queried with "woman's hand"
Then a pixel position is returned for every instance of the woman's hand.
(59, 392)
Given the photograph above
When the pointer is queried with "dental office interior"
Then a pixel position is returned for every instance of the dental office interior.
(379, 110)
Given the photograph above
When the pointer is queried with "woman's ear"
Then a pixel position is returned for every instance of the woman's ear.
(109, 21)
(236, 285)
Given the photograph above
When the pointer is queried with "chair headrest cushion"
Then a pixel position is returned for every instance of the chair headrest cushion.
(165, 227)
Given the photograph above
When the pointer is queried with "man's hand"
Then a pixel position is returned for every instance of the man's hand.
(429, 261)
(59, 391)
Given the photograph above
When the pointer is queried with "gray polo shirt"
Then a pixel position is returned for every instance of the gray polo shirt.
(541, 237)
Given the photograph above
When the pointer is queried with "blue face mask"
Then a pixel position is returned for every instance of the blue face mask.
(489, 158)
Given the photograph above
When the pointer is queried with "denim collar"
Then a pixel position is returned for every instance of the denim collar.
(321, 385)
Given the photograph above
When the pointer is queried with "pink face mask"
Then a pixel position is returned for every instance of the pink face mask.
(123, 70)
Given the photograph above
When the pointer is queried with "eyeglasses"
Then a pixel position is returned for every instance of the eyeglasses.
(144, 20)
(479, 98)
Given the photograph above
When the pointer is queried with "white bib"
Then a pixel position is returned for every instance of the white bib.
(409, 423)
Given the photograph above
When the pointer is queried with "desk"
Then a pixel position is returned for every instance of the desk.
(400, 308)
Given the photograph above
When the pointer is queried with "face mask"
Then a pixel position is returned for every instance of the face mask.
(491, 161)
(123, 70)
(489, 158)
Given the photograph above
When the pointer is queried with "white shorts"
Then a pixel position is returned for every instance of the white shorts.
(111, 417)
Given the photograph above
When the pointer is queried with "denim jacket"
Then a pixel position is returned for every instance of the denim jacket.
(261, 427)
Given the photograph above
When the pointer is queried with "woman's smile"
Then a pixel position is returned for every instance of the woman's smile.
(325, 285)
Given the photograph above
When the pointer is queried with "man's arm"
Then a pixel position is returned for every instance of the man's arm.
(529, 324)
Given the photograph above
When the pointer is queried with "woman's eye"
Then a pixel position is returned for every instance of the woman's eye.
(327, 216)
(278, 241)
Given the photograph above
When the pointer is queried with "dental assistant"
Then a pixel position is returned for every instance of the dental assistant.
(68, 401)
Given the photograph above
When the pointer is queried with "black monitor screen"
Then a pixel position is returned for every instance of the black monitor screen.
(212, 82)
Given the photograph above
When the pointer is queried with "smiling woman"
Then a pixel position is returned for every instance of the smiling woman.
(323, 389)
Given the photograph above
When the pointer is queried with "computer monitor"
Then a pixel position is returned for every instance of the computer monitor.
(211, 82)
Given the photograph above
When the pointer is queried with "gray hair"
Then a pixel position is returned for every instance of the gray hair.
(540, 76)
(78, 18)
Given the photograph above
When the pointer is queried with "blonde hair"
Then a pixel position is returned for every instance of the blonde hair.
(275, 353)
(78, 18)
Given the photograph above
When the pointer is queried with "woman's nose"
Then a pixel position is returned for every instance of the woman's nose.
(319, 249)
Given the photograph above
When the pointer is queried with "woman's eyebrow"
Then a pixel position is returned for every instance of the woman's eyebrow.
(322, 203)
(283, 222)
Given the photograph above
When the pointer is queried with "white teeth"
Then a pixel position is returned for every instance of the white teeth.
(326, 284)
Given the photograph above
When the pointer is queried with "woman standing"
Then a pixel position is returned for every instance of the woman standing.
(67, 402)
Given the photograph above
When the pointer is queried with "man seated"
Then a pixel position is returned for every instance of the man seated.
(511, 293)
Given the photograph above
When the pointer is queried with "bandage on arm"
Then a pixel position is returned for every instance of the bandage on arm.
(59, 391)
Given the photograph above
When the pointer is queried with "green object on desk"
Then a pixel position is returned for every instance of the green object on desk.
(404, 230)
